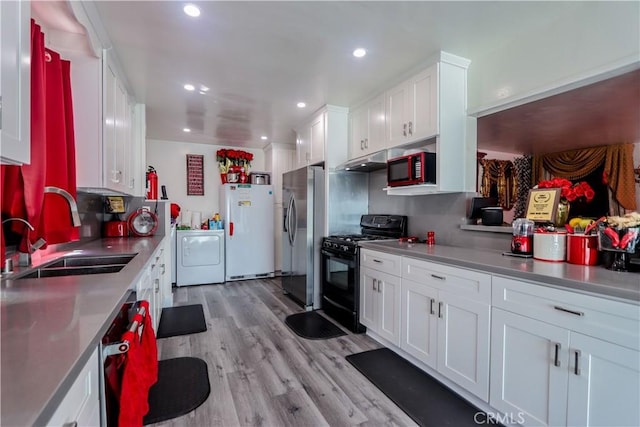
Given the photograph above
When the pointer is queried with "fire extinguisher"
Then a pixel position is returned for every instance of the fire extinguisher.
(152, 184)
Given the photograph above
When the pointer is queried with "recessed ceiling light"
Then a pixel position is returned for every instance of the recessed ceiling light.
(263, 137)
(191, 10)
(359, 52)
(189, 87)
(301, 104)
(186, 130)
(203, 88)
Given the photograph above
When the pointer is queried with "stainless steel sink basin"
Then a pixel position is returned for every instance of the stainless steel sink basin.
(71, 271)
(93, 260)
(78, 265)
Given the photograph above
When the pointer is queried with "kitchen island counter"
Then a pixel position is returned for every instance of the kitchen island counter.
(593, 280)
(51, 326)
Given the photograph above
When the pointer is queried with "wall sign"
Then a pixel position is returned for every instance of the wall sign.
(543, 204)
(195, 175)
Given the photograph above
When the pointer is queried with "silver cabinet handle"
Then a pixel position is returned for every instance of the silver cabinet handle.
(566, 310)
(431, 306)
(163, 268)
(377, 261)
(366, 143)
(440, 309)
(362, 144)
(70, 424)
(404, 129)
(438, 277)
(374, 284)
(410, 128)
(576, 368)
(556, 358)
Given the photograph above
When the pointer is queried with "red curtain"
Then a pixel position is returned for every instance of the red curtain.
(52, 153)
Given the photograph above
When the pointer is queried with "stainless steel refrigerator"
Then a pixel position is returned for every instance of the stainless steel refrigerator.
(303, 194)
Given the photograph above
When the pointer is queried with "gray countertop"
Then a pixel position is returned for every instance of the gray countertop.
(50, 327)
(595, 280)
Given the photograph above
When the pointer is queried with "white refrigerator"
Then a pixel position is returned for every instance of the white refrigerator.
(248, 214)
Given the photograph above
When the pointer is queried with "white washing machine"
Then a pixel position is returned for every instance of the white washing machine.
(200, 257)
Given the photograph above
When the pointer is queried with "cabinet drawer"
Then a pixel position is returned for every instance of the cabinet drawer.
(381, 261)
(459, 281)
(612, 321)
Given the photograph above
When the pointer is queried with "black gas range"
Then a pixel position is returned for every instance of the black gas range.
(339, 266)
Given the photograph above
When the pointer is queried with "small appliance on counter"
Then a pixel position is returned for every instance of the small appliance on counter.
(260, 178)
(550, 245)
(143, 223)
(115, 227)
(416, 168)
(522, 240)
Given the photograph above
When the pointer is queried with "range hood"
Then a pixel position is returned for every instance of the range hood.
(368, 163)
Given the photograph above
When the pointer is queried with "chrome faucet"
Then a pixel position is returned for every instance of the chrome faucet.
(24, 258)
(75, 217)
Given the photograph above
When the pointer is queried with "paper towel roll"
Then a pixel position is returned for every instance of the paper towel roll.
(196, 220)
(185, 218)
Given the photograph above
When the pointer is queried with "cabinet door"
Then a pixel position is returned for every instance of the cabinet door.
(317, 135)
(81, 404)
(419, 323)
(359, 131)
(463, 342)
(109, 128)
(122, 133)
(423, 98)
(15, 86)
(605, 391)
(376, 120)
(389, 292)
(368, 298)
(528, 382)
(303, 141)
(396, 103)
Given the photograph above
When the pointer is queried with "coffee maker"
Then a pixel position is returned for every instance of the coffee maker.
(522, 240)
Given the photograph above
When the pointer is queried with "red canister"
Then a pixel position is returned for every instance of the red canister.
(582, 249)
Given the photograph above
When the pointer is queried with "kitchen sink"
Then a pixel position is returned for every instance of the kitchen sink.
(76, 265)
(39, 273)
(89, 261)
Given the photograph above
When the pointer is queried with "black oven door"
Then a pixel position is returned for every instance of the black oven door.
(339, 279)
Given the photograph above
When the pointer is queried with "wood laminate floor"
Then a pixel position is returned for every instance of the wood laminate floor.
(263, 374)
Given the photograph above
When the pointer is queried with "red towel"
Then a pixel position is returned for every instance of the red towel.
(140, 373)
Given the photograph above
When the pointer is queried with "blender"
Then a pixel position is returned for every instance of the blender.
(522, 240)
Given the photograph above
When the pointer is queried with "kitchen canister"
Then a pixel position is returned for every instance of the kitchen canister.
(550, 246)
(582, 249)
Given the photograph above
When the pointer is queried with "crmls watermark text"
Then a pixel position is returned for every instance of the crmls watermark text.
(497, 418)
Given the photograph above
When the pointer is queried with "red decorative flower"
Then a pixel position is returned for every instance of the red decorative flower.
(570, 192)
(228, 157)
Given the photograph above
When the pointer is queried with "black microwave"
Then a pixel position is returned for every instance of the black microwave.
(417, 168)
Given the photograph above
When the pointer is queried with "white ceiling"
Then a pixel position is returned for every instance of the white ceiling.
(260, 58)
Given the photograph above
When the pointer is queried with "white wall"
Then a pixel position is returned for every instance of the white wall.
(169, 159)
(594, 38)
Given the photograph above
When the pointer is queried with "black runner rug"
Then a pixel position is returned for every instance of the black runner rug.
(181, 320)
(421, 396)
(183, 385)
(312, 326)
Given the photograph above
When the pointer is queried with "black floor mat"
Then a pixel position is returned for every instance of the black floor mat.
(181, 320)
(183, 385)
(313, 326)
(418, 394)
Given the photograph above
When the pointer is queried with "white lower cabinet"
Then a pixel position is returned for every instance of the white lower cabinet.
(543, 372)
(380, 296)
(81, 404)
(445, 321)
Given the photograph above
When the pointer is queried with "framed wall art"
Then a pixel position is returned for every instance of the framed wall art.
(195, 175)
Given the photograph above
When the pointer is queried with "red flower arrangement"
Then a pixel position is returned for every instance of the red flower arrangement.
(570, 192)
(227, 158)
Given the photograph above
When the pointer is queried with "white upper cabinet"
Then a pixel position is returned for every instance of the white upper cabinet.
(367, 128)
(15, 82)
(411, 108)
(323, 138)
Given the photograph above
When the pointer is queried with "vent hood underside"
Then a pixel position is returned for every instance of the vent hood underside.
(368, 163)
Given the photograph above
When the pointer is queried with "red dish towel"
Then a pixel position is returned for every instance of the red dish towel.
(139, 374)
